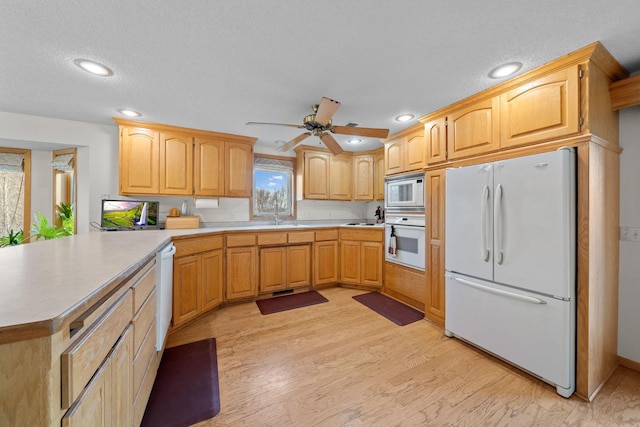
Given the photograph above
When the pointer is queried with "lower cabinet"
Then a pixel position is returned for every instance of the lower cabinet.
(197, 277)
(361, 257)
(242, 267)
(325, 257)
(284, 267)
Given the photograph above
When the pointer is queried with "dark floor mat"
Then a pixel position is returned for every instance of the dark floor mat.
(397, 312)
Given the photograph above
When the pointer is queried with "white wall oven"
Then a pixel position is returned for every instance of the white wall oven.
(405, 239)
(404, 193)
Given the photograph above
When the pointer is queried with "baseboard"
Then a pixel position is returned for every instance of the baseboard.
(627, 363)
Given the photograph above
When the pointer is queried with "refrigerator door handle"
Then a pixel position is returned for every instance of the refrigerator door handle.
(480, 287)
(483, 209)
(498, 214)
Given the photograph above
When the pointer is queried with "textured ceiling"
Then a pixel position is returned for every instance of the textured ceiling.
(213, 64)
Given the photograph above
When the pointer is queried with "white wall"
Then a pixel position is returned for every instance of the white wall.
(629, 308)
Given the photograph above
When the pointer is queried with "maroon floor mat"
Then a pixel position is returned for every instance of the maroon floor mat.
(186, 387)
(397, 312)
(289, 302)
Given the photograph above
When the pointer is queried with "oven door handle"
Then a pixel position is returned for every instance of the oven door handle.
(407, 227)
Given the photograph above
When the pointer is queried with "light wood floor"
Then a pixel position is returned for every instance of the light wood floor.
(341, 364)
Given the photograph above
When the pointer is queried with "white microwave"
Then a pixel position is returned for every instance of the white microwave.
(404, 193)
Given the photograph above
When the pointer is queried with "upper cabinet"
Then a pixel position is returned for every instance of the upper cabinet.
(405, 151)
(347, 176)
(474, 129)
(167, 160)
(543, 109)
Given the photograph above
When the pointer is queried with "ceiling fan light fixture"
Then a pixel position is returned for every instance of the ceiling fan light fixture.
(404, 117)
(354, 141)
(505, 70)
(129, 113)
(93, 67)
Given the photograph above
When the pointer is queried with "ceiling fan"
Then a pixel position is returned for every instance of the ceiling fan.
(319, 124)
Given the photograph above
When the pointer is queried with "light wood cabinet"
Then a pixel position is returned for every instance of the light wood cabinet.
(378, 173)
(139, 158)
(543, 109)
(435, 134)
(340, 173)
(435, 295)
(241, 261)
(405, 151)
(474, 129)
(197, 277)
(168, 160)
(208, 167)
(316, 175)
(363, 177)
(325, 257)
(284, 267)
(361, 257)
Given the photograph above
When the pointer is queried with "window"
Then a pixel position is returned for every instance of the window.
(64, 188)
(15, 191)
(273, 187)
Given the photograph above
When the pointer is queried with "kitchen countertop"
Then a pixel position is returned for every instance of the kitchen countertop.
(47, 283)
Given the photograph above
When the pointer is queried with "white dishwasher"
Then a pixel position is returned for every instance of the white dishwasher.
(164, 292)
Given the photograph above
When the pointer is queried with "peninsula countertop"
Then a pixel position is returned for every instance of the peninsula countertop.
(44, 283)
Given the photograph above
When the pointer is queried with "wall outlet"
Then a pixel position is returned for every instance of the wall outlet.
(105, 196)
(630, 234)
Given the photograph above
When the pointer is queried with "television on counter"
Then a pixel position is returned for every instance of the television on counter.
(129, 215)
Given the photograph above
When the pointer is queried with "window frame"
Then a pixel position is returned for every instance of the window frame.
(292, 188)
(27, 188)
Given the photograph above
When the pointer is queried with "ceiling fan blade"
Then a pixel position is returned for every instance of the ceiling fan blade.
(370, 132)
(275, 124)
(331, 143)
(326, 110)
(293, 142)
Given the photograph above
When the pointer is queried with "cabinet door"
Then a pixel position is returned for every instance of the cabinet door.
(378, 174)
(176, 164)
(435, 209)
(242, 276)
(544, 109)
(122, 380)
(435, 133)
(273, 267)
(371, 270)
(208, 167)
(414, 150)
(363, 177)
(212, 280)
(186, 282)
(350, 261)
(474, 129)
(340, 173)
(325, 266)
(238, 177)
(298, 266)
(93, 407)
(316, 176)
(394, 156)
(139, 161)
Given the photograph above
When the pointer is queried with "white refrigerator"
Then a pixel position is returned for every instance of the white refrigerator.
(510, 262)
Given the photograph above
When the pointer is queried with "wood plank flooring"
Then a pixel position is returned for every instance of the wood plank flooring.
(341, 364)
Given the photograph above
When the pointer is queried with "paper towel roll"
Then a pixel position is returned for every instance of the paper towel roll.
(206, 203)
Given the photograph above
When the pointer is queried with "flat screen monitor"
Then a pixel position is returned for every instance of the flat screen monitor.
(129, 215)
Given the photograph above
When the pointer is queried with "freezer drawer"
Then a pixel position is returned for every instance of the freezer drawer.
(534, 332)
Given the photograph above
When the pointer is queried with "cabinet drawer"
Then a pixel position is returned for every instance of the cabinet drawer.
(142, 320)
(144, 357)
(80, 361)
(301, 236)
(194, 246)
(362, 234)
(141, 399)
(322, 235)
(234, 240)
(272, 239)
(142, 288)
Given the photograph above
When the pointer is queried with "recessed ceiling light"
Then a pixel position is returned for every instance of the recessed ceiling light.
(505, 70)
(129, 113)
(354, 141)
(404, 117)
(93, 67)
